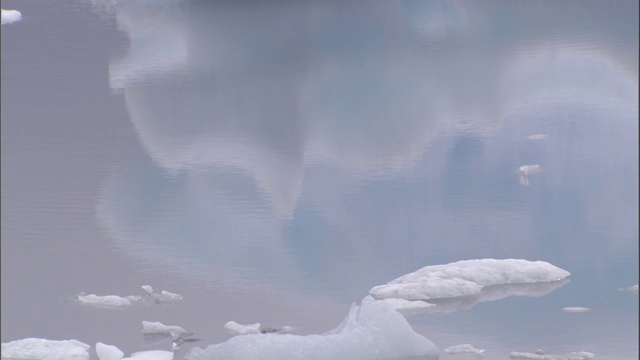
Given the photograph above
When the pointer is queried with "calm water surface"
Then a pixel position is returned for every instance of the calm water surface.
(272, 161)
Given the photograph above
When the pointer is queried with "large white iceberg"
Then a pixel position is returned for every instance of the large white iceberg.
(44, 349)
(467, 278)
(107, 301)
(370, 331)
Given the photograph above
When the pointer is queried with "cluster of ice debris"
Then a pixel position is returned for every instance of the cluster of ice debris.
(374, 329)
(121, 303)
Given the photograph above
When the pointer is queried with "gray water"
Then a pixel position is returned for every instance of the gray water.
(272, 161)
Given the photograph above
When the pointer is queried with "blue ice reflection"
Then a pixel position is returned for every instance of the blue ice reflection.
(298, 144)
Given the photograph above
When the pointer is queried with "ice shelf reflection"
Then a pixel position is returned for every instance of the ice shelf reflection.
(272, 152)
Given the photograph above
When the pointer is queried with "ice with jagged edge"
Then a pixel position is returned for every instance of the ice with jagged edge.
(44, 349)
(239, 329)
(10, 16)
(467, 278)
(370, 331)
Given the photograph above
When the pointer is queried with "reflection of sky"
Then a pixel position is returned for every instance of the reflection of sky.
(331, 153)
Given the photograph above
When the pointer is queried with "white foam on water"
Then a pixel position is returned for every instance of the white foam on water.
(44, 349)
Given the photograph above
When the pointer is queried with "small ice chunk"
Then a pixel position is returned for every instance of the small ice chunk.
(576, 309)
(524, 181)
(634, 289)
(466, 278)
(580, 355)
(108, 352)
(106, 301)
(160, 328)
(44, 349)
(463, 349)
(234, 327)
(164, 297)
(529, 169)
(537, 137)
(169, 296)
(9, 16)
(370, 331)
(151, 355)
(526, 355)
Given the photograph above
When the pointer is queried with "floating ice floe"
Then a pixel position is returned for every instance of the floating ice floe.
(235, 328)
(467, 278)
(110, 352)
(580, 355)
(537, 137)
(634, 289)
(163, 298)
(463, 349)
(576, 309)
(370, 331)
(107, 301)
(160, 328)
(9, 16)
(43, 349)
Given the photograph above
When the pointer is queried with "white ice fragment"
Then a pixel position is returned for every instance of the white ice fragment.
(576, 309)
(151, 355)
(529, 169)
(634, 289)
(537, 137)
(105, 302)
(169, 296)
(524, 181)
(43, 349)
(467, 278)
(160, 328)
(108, 352)
(9, 16)
(370, 331)
(463, 349)
(164, 297)
(234, 327)
(526, 355)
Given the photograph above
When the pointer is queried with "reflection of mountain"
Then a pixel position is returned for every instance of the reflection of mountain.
(298, 136)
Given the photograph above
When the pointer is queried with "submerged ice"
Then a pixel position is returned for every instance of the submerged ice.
(370, 331)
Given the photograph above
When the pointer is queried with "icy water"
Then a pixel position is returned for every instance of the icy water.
(273, 161)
